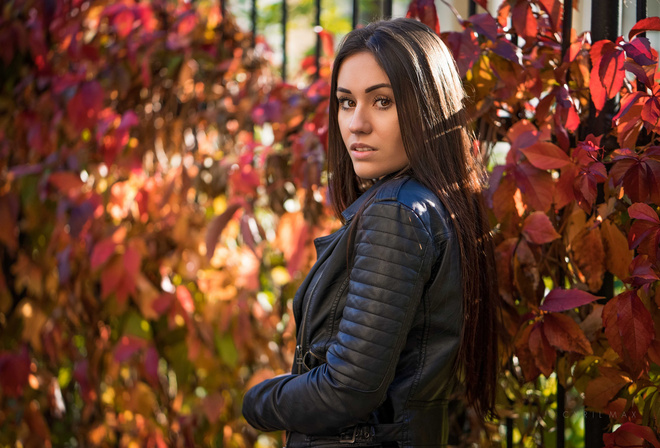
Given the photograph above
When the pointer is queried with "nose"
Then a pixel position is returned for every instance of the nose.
(359, 123)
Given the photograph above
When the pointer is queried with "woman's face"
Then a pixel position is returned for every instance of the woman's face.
(367, 117)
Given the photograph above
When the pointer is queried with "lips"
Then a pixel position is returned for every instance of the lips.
(361, 147)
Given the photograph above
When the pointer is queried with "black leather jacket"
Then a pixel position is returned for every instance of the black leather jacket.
(376, 343)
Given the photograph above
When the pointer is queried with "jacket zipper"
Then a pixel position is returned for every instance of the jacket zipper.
(300, 348)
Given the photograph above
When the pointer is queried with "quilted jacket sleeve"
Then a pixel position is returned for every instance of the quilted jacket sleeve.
(394, 254)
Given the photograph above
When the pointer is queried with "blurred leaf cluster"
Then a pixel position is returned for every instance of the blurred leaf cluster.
(160, 189)
(158, 194)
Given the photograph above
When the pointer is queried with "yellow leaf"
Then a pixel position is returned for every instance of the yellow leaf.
(617, 255)
(589, 257)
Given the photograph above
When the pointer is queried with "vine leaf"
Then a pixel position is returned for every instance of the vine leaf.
(565, 334)
(647, 24)
(538, 229)
(631, 434)
(607, 74)
(566, 299)
(546, 156)
(425, 11)
(629, 329)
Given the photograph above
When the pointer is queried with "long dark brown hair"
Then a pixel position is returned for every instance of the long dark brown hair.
(429, 98)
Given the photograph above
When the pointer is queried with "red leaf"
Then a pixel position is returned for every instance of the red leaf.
(14, 372)
(485, 24)
(151, 366)
(601, 390)
(546, 156)
(127, 347)
(573, 51)
(647, 24)
(328, 43)
(536, 185)
(523, 134)
(638, 180)
(644, 212)
(538, 229)
(504, 202)
(524, 21)
(641, 271)
(564, 193)
(69, 184)
(651, 111)
(185, 299)
(640, 51)
(645, 235)
(566, 299)
(619, 438)
(81, 375)
(565, 334)
(123, 23)
(543, 353)
(639, 72)
(132, 261)
(507, 50)
(111, 277)
(425, 11)
(187, 23)
(163, 303)
(37, 41)
(607, 72)
(522, 350)
(103, 250)
(611, 71)
(554, 10)
(635, 325)
(84, 107)
(627, 101)
(465, 48)
(8, 224)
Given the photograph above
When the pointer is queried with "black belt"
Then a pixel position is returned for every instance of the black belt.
(359, 435)
(372, 433)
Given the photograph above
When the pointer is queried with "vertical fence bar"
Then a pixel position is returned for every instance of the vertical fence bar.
(285, 17)
(318, 30)
(472, 8)
(387, 9)
(566, 26)
(253, 18)
(642, 11)
(356, 13)
(509, 432)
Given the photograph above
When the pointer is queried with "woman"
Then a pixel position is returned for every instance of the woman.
(401, 302)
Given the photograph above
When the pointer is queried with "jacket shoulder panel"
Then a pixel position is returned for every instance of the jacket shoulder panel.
(423, 202)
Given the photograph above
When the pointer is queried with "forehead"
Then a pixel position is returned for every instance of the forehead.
(360, 71)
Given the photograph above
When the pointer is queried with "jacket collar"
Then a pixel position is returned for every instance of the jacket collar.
(352, 209)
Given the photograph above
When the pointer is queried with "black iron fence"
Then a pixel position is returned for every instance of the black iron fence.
(605, 24)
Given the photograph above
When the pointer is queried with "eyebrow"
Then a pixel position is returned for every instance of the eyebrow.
(367, 90)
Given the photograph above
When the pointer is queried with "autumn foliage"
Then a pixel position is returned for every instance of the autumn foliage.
(160, 190)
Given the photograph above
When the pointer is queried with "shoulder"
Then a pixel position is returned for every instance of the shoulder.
(409, 194)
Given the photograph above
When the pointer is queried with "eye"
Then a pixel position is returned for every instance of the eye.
(345, 103)
(383, 102)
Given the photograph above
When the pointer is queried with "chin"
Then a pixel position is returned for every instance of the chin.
(368, 175)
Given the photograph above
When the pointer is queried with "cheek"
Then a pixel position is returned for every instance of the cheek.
(343, 127)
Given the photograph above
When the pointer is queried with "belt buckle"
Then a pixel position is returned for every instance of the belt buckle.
(347, 437)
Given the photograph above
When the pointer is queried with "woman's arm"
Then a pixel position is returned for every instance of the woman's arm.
(394, 254)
